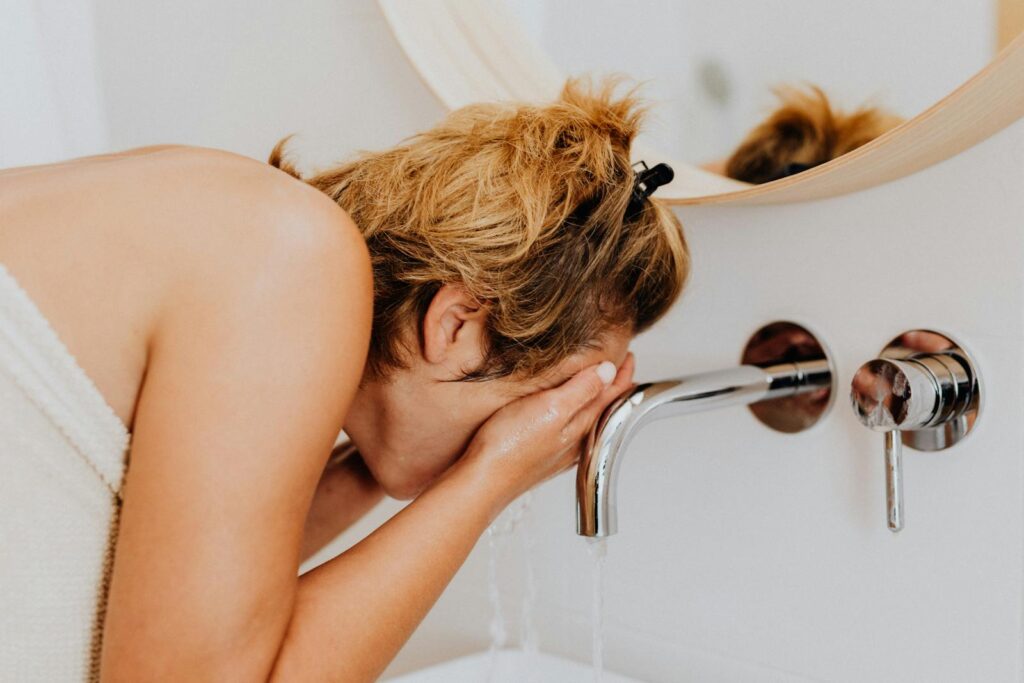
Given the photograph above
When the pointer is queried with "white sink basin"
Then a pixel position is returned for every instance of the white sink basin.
(510, 666)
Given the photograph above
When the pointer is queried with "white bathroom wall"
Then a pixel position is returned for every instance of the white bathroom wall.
(50, 104)
(771, 549)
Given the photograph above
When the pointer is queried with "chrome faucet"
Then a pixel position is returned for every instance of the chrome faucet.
(643, 403)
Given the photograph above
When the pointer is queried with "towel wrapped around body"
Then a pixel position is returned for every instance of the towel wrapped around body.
(63, 453)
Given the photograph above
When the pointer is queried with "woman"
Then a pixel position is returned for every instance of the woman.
(457, 304)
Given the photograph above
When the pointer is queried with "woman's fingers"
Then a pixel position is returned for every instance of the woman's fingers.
(583, 419)
(583, 387)
(624, 377)
(623, 380)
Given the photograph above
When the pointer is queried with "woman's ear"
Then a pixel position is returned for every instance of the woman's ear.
(454, 335)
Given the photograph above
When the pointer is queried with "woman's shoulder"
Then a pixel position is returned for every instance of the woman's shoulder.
(183, 216)
(254, 220)
(241, 209)
(159, 245)
(239, 237)
(221, 175)
(265, 264)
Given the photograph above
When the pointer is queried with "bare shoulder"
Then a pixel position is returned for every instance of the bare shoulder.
(181, 222)
(278, 260)
(255, 184)
(248, 213)
(180, 243)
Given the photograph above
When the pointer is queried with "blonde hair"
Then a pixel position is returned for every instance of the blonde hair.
(524, 207)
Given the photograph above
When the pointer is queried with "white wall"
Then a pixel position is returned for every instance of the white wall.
(240, 75)
(50, 104)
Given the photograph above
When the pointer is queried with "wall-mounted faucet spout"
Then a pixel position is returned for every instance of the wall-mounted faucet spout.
(644, 403)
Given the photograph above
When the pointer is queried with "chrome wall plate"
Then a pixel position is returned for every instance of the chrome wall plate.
(787, 342)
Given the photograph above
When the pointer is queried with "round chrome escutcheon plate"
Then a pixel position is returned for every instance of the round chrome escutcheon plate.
(786, 342)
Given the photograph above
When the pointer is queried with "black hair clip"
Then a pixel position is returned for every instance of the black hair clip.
(645, 182)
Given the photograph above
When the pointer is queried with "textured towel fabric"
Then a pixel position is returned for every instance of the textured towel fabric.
(63, 453)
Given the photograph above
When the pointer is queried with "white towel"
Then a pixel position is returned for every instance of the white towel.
(63, 452)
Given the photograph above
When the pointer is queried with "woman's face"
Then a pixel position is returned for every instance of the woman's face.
(412, 427)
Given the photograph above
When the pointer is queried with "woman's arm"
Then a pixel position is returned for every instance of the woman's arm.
(353, 613)
(346, 492)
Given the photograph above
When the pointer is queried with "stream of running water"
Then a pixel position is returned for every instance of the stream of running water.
(598, 549)
(512, 524)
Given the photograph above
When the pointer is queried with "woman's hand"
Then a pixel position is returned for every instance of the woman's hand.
(538, 436)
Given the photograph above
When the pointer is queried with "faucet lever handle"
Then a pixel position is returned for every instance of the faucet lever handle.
(894, 479)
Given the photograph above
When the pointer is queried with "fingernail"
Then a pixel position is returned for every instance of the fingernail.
(606, 371)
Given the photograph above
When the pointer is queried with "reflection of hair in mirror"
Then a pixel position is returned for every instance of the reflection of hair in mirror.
(804, 131)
